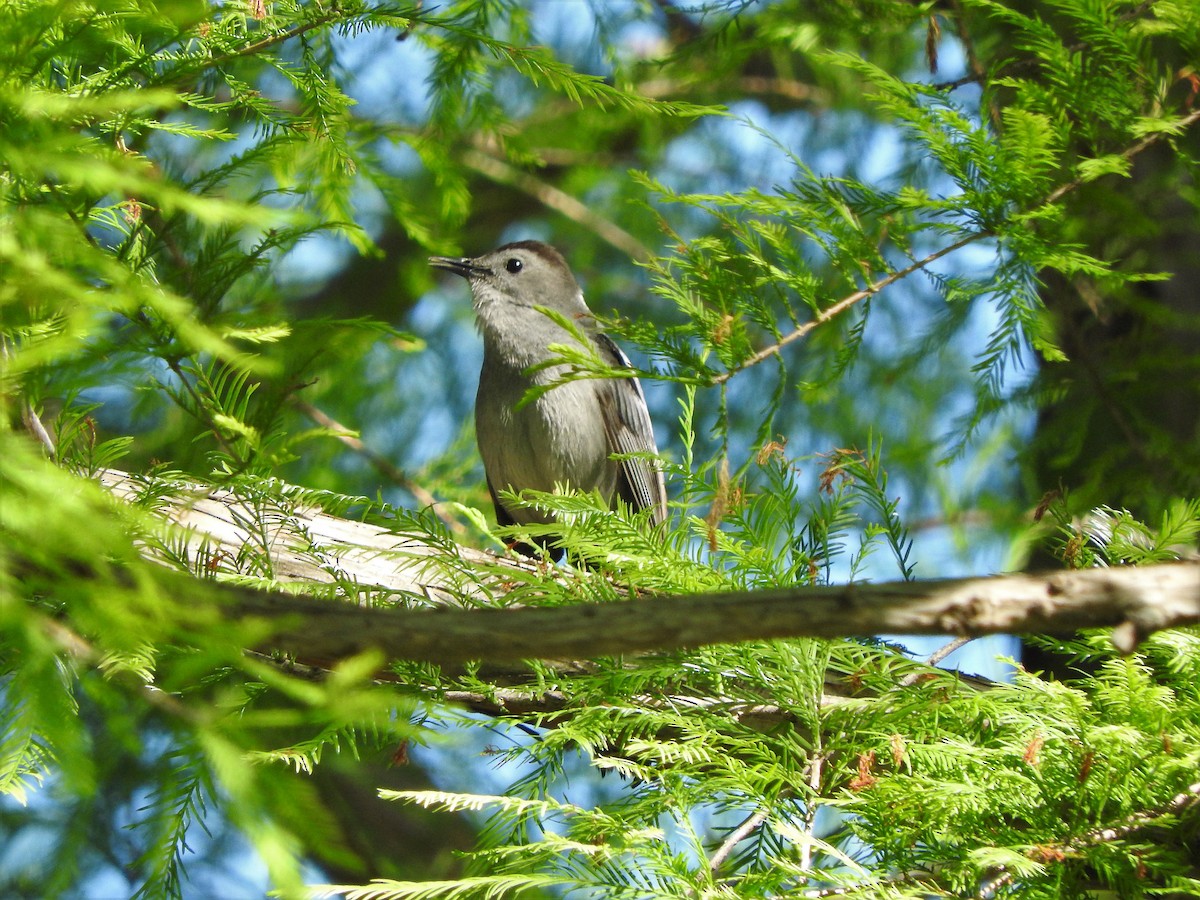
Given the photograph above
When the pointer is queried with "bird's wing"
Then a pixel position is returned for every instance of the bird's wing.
(627, 426)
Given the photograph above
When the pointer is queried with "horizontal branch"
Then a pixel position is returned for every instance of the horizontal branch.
(219, 523)
(1135, 601)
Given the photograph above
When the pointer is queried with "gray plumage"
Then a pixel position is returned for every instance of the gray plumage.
(567, 435)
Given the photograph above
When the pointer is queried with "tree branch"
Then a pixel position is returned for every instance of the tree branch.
(885, 281)
(846, 302)
(1144, 599)
(558, 200)
(1133, 601)
(748, 826)
(381, 464)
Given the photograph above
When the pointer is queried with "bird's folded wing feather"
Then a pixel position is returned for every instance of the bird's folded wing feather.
(628, 428)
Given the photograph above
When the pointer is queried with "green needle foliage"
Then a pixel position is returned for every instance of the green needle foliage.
(872, 299)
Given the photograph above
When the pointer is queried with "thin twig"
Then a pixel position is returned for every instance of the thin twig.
(946, 649)
(788, 88)
(30, 417)
(201, 413)
(559, 201)
(845, 303)
(1185, 799)
(934, 658)
(28, 414)
(815, 767)
(83, 650)
(979, 74)
(1136, 822)
(1128, 153)
(875, 287)
(335, 15)
(381, 463)
(749, 826)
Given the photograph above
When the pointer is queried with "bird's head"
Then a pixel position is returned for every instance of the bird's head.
(518, 276)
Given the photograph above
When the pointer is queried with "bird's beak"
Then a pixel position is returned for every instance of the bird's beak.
(459, 265)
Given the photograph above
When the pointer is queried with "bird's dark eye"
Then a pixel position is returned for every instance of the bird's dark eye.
(514, 265)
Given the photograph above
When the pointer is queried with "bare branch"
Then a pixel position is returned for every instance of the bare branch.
(1136, 822)
(752, 85)
(1146, 599)
(29, 416)
(936, 657)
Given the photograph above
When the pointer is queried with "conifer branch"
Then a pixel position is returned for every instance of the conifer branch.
(1135, 601)
(266, 615)
(1182, 801)
(851, 300)
(846, 303)
(1059, 853)
(1128, 153)
(747, 827)
(381, 463)
(328, 18)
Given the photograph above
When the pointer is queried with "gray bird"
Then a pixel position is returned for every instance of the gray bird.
(568, 434)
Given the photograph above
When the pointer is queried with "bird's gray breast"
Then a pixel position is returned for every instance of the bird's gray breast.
(558, 439)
